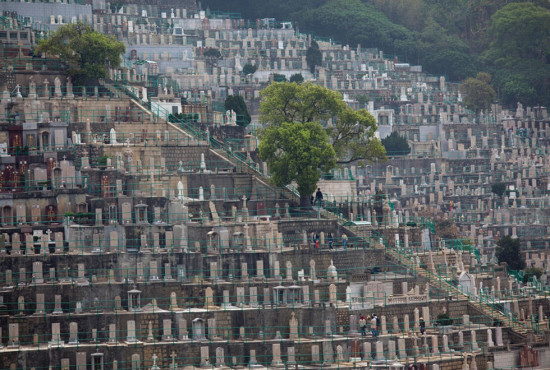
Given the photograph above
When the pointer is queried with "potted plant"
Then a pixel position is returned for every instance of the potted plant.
(102, 161)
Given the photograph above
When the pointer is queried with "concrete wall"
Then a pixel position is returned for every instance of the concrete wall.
(337, 188)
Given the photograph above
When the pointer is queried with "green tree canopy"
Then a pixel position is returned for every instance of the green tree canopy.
(479, 94)
(277, 77)
(411, 13)
(519, 30)
(212, 53)
(86, 51)
(236, 103)
(313, 56)
(211, 56)
(352, 135)
(249, 69)
(517, 88)
(362, 99)
(519, 53)
(296, 151)
(396, 144)
(498, 188)
(509, 251)
(298, 78)
(350, 132)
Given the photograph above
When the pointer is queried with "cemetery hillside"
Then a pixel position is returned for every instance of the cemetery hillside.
(508, 39)
(311, 184)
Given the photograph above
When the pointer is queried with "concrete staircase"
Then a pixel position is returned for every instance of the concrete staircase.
(216, 148)
(244, 166)
(436, 281)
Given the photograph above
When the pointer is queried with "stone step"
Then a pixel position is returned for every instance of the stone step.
(487, 310)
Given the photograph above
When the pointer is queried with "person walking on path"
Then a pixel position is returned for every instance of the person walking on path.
(373, 326)
(319, 197)
(422, 326)
(330, 240)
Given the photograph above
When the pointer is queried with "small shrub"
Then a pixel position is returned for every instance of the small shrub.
(298, 78)
(279, 77)
(102, 161)
(498, 188)
(530, 272)
(444, 320)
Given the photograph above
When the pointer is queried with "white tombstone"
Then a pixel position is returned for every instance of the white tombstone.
(475, 346)
(498, 335)
(380, 352)
(490, 342)
(112, 135)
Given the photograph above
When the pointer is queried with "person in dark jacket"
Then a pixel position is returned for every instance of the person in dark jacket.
(319, 197)
(315, 240)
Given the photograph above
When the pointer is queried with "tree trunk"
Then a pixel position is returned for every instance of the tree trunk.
(305, 205)
(305, 201)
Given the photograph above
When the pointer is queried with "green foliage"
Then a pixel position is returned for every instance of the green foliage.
(528, 273)
(236, 103)
(517, 88)
(298, 78)
(519, 30)
(102, 161)
(410, 13)
(291, 102)
(351, 133)
(498, 188)
(519, 53)
(249, 69)
(279, 77)
(509, 250)
(445, 37)
(362, 99)
(296, 151)
(354, 21)
(212, 53)
(116, 5)
(86, 51)
(444, 53)
(479, 94)
(444, 320)
(450, 62)
(396, 144)
(313, 56)
(211, 56)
